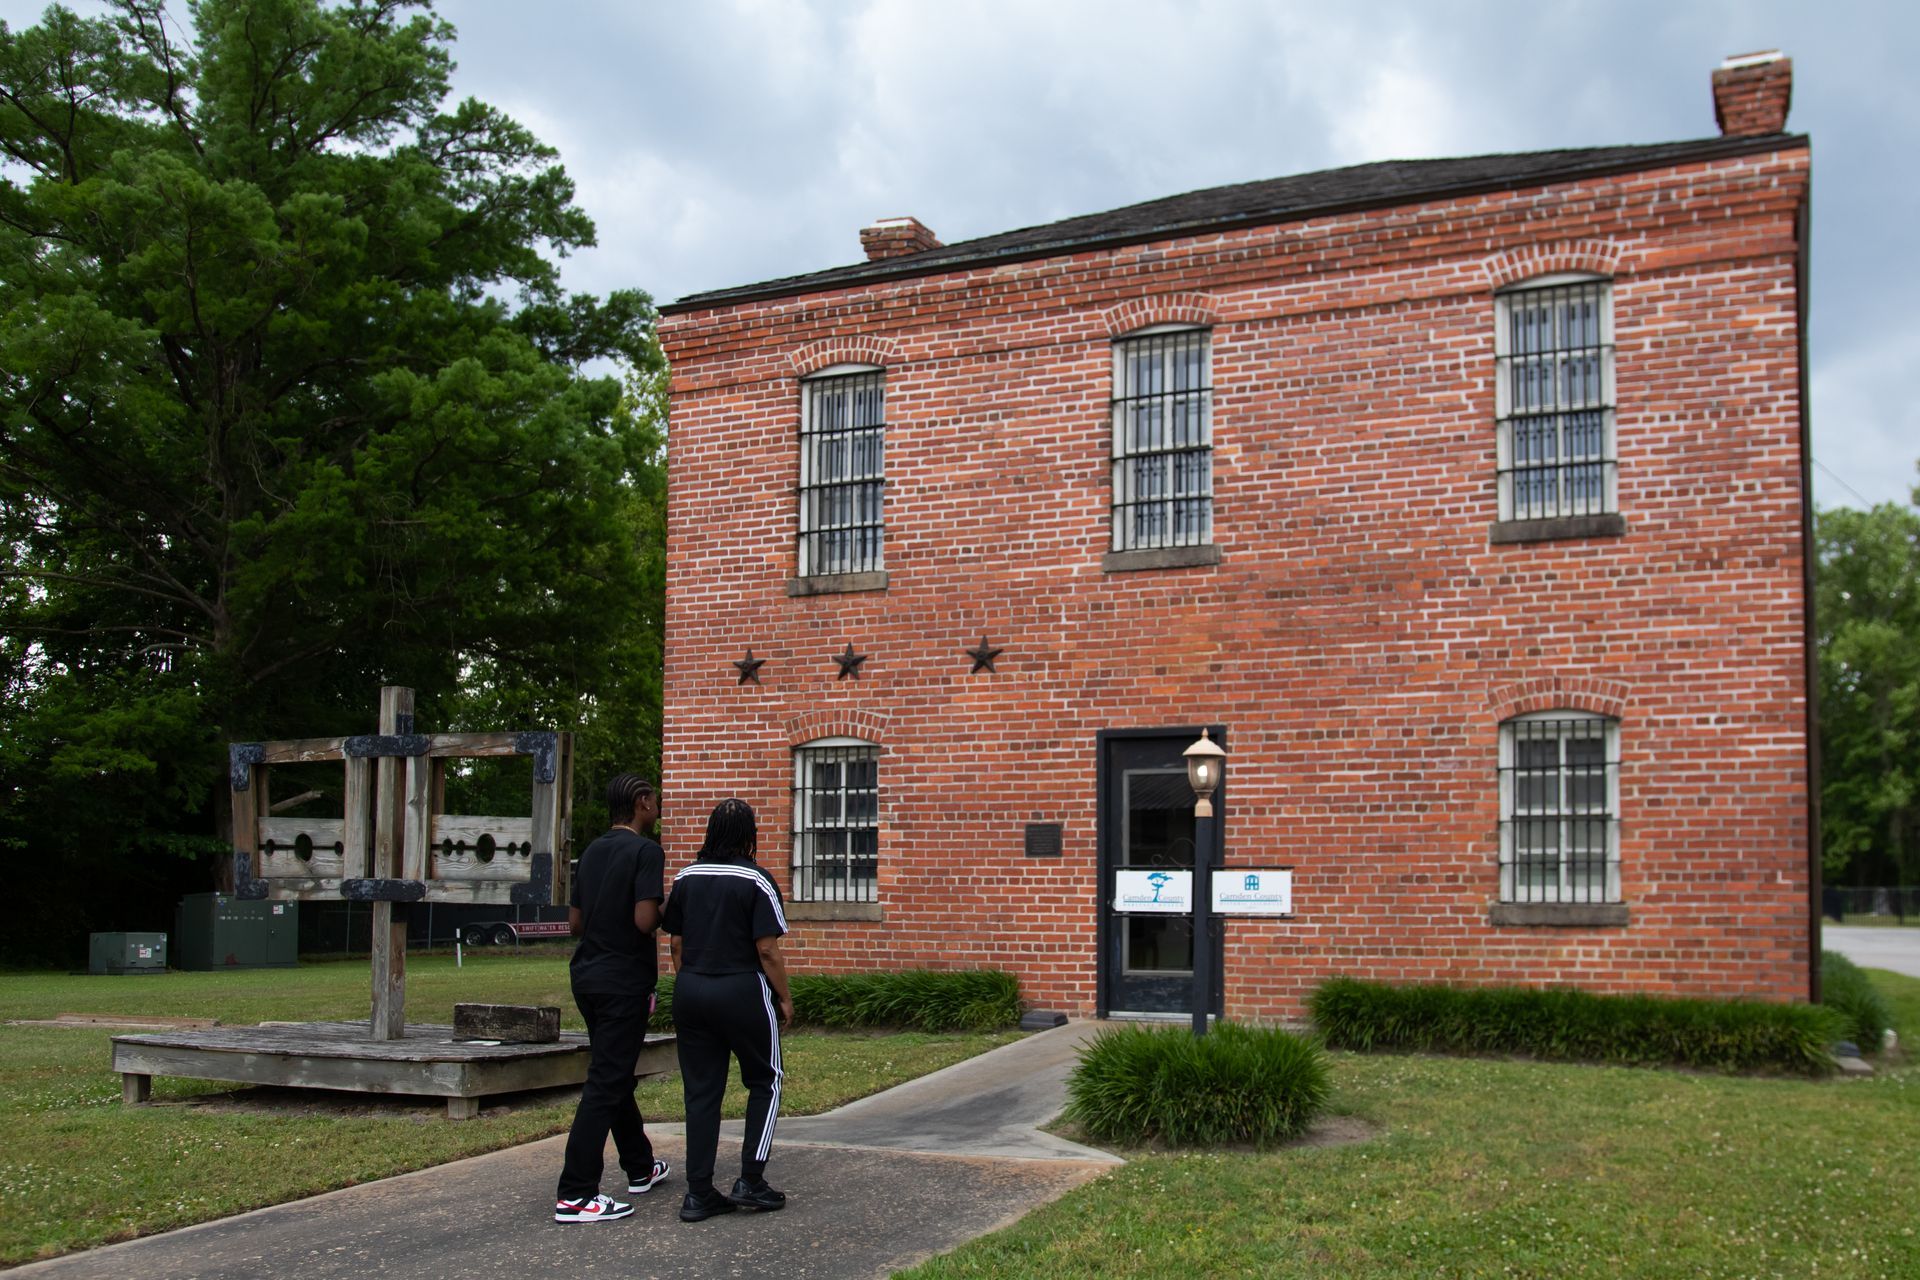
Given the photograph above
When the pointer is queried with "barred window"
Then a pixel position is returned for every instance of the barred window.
(1162, 441)
(836, 816)
(1560, 808)
(1553, 352)
(842, 472)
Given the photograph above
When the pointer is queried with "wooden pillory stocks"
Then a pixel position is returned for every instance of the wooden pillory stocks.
(392, 843)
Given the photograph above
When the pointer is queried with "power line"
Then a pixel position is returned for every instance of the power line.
(1842, 483)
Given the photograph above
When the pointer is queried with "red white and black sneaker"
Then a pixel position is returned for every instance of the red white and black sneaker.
(598, 1209)
(640, 1186)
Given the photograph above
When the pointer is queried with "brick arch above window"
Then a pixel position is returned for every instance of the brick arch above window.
(1166, 308)
(852, 349)
(1558, 693)
(1597, 257)
(870, 726)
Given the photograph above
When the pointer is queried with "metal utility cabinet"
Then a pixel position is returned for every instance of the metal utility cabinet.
(219, 931)
(126, 953)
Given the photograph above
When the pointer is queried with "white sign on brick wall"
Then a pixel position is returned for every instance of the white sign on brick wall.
(1253, 891)
(1167, 892)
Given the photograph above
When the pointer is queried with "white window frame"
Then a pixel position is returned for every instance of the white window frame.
(1582, 381)
(1564, 818)
(1132, 461)
(816, 554)
(841, 816)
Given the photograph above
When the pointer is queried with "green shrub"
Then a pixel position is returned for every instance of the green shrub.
(914, 999)
(1846, 989)
(920, 999)
(662, 1019)
(1720, 1035)
(1237, 1084)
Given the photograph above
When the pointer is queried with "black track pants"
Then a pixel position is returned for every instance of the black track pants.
(616, 1028)
(717, 1016)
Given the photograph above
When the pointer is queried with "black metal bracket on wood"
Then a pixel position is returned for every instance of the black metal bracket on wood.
(241, 757)
(245, 886)
(538, 890)
(385, 744)
(544, 747)
(371, 890)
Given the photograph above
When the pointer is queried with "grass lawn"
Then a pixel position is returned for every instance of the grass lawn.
(77, 1168)
(1520, 1169)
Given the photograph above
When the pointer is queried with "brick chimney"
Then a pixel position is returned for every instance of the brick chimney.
(1751, 94)
(892, 237)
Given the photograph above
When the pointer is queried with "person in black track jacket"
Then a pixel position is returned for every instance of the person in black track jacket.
(730, 1000)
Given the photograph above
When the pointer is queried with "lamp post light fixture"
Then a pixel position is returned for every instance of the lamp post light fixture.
(1206, 768)
(1206, 765)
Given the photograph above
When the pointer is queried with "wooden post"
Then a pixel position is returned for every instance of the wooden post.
(436, 805)
(389, 1019)
(416, 822)
(246, 827)
(563, 846)
(358, 816)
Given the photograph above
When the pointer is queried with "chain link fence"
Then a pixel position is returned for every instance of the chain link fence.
(346, 928)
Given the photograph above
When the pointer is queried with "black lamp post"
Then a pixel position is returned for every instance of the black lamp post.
(1206, 766)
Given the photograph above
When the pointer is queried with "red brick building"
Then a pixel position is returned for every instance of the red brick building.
(1464, 501)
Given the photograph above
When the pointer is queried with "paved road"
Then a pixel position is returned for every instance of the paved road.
(1876, 946)
(946, 1158)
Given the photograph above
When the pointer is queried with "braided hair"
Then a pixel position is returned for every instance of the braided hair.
(732, 833)
(624, 795)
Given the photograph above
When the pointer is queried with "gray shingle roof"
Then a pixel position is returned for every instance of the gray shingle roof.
(1364, 186)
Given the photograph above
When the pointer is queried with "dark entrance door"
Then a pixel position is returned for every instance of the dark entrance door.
(1146, 822)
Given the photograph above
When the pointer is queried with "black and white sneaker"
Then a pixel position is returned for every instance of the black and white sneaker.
(598, 1209)
(640, 1186)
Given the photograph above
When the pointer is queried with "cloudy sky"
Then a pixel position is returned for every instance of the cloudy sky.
(720, 142)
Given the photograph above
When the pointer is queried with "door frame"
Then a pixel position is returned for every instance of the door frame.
(1104, 832)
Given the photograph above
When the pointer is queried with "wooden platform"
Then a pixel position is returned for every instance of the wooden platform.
(343, 1055)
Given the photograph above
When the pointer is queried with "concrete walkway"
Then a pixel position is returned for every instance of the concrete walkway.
(875, 1186)
(1894, 947)
(989, 1106)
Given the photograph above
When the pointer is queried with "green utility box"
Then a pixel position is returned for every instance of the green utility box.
(127, 953)
(216, 931)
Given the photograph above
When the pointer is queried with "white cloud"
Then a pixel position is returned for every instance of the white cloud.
(1398, 111)
(724, 142)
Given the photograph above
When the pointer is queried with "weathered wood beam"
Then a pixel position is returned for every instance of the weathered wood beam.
(358, 819)
(507, 1023)
(300, 750)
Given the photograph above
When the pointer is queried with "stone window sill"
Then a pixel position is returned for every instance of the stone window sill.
(1560, 915)
(1603, 526)
(835, 583)
(834, 911)
(1159, 558)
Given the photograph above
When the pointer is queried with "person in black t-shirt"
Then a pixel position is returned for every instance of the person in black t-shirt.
(614, 910)
(730, 999)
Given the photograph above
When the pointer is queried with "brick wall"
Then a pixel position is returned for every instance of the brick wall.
(1361, 639)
